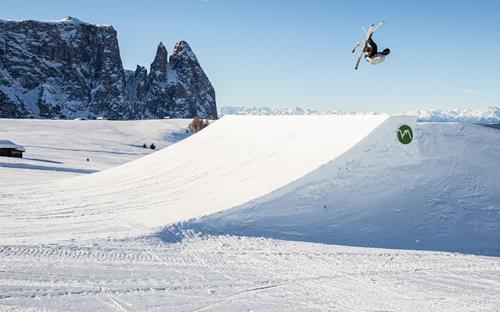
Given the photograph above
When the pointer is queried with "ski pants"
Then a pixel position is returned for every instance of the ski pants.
(371, 48)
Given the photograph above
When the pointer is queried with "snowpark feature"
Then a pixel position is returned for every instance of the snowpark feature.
(234, 161)
(440, 192)
(281, 184)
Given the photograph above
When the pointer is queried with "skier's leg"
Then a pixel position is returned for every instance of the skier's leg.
(373, 47)
(368, 48)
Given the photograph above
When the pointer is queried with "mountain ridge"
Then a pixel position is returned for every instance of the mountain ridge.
(72, 69)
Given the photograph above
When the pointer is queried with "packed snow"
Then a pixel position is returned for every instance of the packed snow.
(225, 273)
(233, 161)
(246, 215)
(441, 192)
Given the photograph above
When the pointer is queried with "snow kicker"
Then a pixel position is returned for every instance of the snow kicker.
(235, 160)
(432, 188)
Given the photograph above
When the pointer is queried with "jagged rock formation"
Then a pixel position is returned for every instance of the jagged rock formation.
(70, 69)
(175, 86)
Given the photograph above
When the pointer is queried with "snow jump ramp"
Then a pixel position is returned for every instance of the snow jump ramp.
(440, 192)
(329, 179)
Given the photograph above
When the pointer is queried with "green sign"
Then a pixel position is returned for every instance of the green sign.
(405, 134)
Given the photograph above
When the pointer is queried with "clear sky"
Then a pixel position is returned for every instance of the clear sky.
(277, 53)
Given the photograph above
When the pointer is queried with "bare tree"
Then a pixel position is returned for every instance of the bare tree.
(197, 124)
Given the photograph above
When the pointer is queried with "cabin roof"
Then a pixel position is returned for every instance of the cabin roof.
(12, 145)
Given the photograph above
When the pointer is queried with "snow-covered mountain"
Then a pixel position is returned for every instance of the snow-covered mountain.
(487, 115)
(69, 69)
(264, 110)
(239, 110)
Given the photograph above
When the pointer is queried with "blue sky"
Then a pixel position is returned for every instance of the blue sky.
(277, 53)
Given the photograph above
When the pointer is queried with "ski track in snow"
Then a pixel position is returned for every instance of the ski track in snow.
(234, 273)
(144, 237)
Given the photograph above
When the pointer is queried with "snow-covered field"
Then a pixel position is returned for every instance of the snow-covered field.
(245, 215)
(60, 148)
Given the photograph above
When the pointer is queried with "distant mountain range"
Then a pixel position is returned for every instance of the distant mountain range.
(487, 115)
(264, 110)
(71, 69)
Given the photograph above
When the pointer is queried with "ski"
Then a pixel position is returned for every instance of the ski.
(356, 46)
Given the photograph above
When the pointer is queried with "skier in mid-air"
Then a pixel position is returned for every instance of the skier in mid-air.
(372, 55)
(369, 49)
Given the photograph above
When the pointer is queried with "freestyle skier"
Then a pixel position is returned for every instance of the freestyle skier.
(372, 55)
(369, 49)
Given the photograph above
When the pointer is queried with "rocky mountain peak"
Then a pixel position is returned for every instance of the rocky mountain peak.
(70, 69)
(71, 20)
(159, 65)
(181, 46)
(182, 49)
(140, 69)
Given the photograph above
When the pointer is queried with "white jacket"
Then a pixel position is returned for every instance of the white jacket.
(376, 59)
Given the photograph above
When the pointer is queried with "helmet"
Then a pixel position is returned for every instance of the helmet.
(386, 52)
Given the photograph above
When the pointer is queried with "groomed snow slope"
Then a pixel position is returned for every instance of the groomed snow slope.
(440, 192)
(227, 273)
(234, 161)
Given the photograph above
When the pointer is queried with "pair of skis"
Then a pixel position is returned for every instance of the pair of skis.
(363, 43)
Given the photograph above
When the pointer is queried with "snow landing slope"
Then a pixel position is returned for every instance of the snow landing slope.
(330, 179)
(440, 192)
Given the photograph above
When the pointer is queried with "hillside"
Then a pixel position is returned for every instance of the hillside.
(59, 148)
